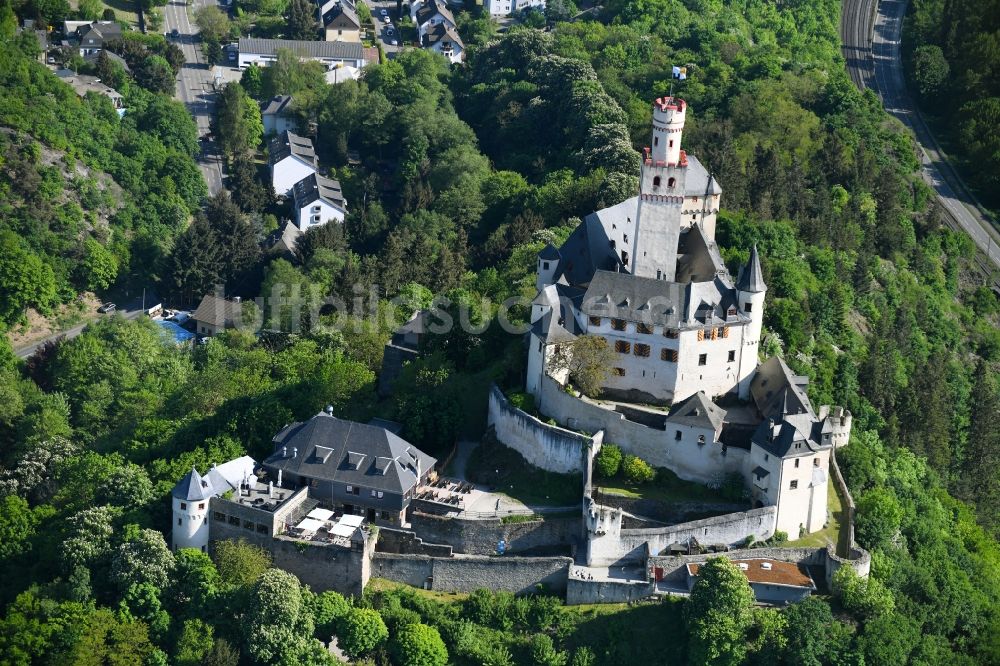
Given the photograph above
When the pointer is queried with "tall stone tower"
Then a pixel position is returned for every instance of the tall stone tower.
(750, 292)
(661, 194)
(190, 499)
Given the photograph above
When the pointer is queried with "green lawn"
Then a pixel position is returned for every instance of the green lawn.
(493, 464)
(667, 487)
(833, 532)
(124, 10)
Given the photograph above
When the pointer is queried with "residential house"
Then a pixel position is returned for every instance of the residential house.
(442, 38)
(264, 52)
(428, 13)
(215, 314)
(340, 21)
(509, 7)
(90, 37)
(318, 200)
(282, 242)
(83, 84)
(291, 158)
(42, 36)
(114, 57)
(277, 115)
(351, 467)
(772, 581)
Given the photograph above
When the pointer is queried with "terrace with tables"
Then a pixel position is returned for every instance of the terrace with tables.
(326, 527)
(445, 495)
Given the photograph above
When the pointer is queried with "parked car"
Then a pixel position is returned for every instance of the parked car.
(106, 308)
(386, 19)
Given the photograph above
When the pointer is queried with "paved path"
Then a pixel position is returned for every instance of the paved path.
(871, 33)
(28, 350)
(194, 83)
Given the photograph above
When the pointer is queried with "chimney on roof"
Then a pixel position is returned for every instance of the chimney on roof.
(237, 299)
(770, 430)
(284, 452)
(295, 452)
(270, 489)
(279, 478)
(328, 410)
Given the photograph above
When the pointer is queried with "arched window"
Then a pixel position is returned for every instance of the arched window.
(656, 181)
(671, 182)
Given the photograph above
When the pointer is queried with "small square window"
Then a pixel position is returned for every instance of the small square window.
(641, 350)
(732, 355)
(618, 324)
(644, 328)
(677, 435)
(796, 463)
(595, 321)
(350, 489)
(747, 307)
(545, 265)
(669, 355)
(702, 359)
(201, 505)
(178, 521)
(381, 494)
(793, 484)
(623, 347)
(184, 506)
(816, 461)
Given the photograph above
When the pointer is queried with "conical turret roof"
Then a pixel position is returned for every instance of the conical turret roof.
(193, 487)
(751, 278)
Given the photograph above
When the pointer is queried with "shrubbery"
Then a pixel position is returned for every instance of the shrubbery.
(637, 470)
(608, 461)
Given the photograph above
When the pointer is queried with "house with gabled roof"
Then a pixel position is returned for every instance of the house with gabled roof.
(318, 200)
(352, 467)
(291, 158)
(340, 21)
(191, 495)
(428, 13)
(277, 115)
(91, 37)
(215, 314)
(442, 38)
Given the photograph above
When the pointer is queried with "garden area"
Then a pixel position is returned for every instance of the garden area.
(835, 531)
(505, 470)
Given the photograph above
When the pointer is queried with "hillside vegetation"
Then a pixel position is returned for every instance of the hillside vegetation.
(455, 189)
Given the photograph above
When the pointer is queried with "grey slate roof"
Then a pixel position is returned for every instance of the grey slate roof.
(347, 16)
(333, 449)
(430, 8)
(634, 298)
(751, 278)
(277, 105)
(287, 144)
(698, 411)
(551, 331)
(442, 32)
(220, 478)
(549, 253)
(217, 311)
(777, 392)
(97, 33)
(317, 188)
(192, 487)
(698, 258)
(284, 240)
(331, 50)
(588, 247)
(696, 179)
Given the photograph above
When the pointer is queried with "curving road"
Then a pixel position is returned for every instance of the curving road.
(871, 33)
(195, 83)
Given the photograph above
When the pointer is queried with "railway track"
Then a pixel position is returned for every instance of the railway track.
(870, 33)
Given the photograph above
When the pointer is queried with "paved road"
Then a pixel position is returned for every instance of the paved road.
(131, 311)
(194, 83)
(380, 26)
(871, 32)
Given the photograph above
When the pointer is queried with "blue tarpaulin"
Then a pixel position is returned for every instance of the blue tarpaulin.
(172, 327)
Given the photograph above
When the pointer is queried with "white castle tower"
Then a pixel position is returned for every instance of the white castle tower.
(661, 194)
(190, 499)
(750, 293)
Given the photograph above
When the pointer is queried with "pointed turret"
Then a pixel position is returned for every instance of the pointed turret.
(548, 266)
(751, 278)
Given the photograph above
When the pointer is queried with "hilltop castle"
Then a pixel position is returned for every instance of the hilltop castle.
(647, 277)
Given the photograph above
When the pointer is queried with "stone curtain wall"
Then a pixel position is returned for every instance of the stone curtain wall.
(617, 545)
(466, 573)
(858, 558)
(547, 447)
(406, 542)
(704, 463)
(480, 537)
(579, 591)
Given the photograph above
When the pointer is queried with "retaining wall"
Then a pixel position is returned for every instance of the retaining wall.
(610, 544)
(579, 591)
(321, 567)
(466, 573)
(858, 558)
(705, 463)
(548, 447)
(406, 542)
(480, 537)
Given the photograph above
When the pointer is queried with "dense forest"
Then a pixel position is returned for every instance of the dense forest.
(455, 178)
(952, 55)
